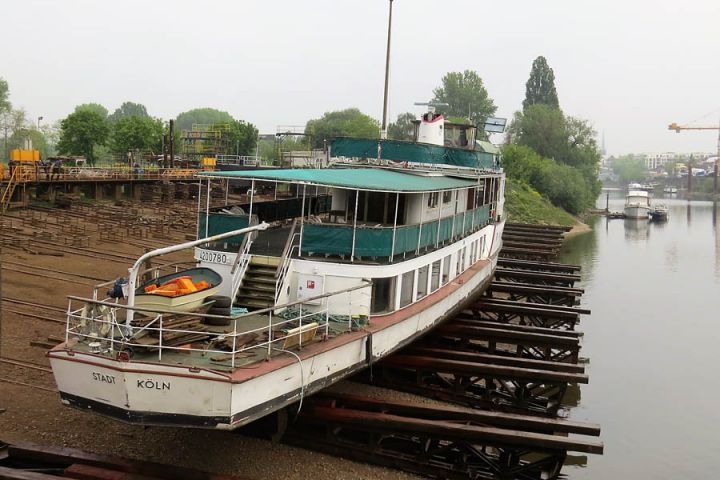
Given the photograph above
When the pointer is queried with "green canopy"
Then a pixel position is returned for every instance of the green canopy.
(373, 179)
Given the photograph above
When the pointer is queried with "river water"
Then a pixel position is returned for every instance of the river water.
(652, 341)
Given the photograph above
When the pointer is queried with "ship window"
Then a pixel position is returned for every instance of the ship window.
(446, 270)
(447, 196)
(422, 281)
(432, 200)
(383, 295)
(406, 288)
(435, 276)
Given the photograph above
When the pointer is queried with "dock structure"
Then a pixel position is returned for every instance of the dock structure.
(507, 360)
(28, 183)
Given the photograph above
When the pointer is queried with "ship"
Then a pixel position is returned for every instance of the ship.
(329, 271)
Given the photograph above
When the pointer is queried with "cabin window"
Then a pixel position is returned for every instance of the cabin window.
(422, 281)
(406, 288)
(433, 200)
(446, 270)
(447, 196)
(435, 276)
(383, 295)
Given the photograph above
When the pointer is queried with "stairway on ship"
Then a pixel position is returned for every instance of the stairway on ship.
(257, 290)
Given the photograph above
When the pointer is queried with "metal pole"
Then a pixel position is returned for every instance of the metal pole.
(227, 190)
(383, 130)
(440, 204)
(197, 230)
(397, 202)
(252, 194)
(352, 251)
(302, 220)
(422, 211)
(715, 172)
(207, 210)
(171, 139)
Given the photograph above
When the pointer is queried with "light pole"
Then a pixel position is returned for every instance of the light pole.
(383, 129)
(38, 125)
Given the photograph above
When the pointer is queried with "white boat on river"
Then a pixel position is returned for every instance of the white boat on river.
(637, 204)
(335, 269)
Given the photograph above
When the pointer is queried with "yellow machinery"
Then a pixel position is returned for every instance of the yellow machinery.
(208, 163)
(678, 128)
(25, 155)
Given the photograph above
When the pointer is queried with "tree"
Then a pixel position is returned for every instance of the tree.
(541, 128)
(136, 133)
(402, 128)
(350, 122)
(243, 137)
(4, 94)
(80, 132)
(465, 95)
(628, 168)
(93, 107)
(540, 87)
(128, 109)
(209, 116)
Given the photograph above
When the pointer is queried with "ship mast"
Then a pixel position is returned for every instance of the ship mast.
(383, 129)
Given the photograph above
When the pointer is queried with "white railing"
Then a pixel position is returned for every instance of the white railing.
(98, 324)
(240, 267)
(284, 267)
(239, 160)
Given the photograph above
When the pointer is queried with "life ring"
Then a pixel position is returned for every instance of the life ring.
(91, 313)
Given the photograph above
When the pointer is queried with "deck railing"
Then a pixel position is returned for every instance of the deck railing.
(98, 324)
(377, 241)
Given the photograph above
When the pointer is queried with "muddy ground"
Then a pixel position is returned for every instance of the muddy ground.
(92, 250)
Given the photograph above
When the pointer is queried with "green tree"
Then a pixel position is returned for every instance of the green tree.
(402, 128)
(541, 128)
(128, 109)
(540, 87)
(465, 95)
(208, 116)
(242, 137)
(629, 168)
(93, 107)
(136, 133)
(80, 132)
(39, 142)
(350, 122)
(5, 105)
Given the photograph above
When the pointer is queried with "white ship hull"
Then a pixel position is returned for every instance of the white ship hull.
(636, 211)
(164, 394)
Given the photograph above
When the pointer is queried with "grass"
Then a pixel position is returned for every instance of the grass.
(525, 205)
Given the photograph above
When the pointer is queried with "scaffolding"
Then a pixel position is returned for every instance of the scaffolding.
(207, 140)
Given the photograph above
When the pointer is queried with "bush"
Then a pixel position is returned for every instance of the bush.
(563, 185)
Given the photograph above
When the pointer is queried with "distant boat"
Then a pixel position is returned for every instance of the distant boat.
(670, 189)
(637, 204)
(634, 186)
(659, 213)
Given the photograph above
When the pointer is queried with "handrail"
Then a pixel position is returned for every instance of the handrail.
(9, 189)
(285, 259)
(288, 246)
(240, 266)
(132, 280)
(365, 284)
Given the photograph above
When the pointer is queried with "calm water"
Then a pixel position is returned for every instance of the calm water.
(653, 341)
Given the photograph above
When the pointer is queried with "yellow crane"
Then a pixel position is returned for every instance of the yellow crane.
(678, 128)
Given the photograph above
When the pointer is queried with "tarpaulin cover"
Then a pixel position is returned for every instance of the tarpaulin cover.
(411, 152)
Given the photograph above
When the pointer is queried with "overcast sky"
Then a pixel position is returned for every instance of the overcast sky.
(630, 67)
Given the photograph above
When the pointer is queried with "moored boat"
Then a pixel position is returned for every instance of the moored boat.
(343, 267)
(637, 204)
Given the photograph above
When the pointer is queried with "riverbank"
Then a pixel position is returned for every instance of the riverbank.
(525, 205)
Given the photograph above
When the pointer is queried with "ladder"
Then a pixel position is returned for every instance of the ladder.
(9, 189)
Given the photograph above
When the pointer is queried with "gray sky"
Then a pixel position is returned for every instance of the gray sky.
(630, 67)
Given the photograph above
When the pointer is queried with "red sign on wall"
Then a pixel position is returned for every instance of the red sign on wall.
(311, 284)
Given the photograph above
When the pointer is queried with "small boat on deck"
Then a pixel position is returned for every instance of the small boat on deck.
(167, 292)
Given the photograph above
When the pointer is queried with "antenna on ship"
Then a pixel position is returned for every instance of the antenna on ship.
(383, 129)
